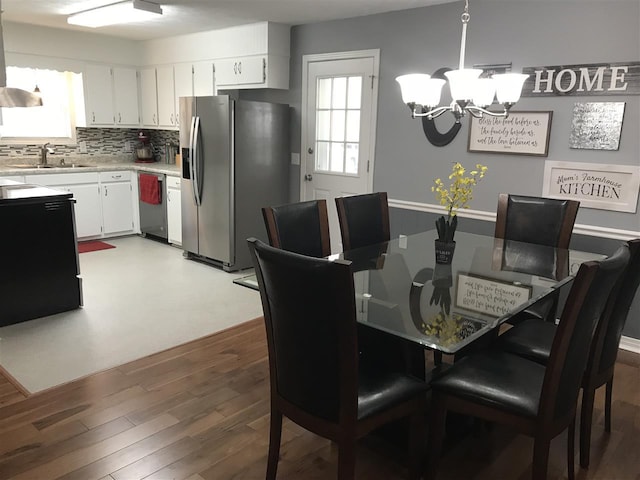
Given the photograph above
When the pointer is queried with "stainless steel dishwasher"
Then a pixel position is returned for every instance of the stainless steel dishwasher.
(153, 216)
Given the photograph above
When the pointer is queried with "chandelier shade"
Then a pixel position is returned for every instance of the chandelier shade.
(471, 90)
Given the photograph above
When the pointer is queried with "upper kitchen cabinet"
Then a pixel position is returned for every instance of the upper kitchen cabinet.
(203, 79)
(111, 96)
(149, 97)
(166, 97)
(260, 57)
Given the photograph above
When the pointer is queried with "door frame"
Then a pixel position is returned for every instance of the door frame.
(323, 57)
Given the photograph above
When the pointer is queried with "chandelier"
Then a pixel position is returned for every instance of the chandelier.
(469, 92)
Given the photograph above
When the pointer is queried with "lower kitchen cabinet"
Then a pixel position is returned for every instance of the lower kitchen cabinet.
(174, 211)
(117, 207)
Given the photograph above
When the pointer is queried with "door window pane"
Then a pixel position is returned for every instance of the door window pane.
(339, 96)
(322, 156)
(337, 125)
(324, 93)
(355, 92)
(351, 163)
(324, 125)
(337, 157)
(353, 126)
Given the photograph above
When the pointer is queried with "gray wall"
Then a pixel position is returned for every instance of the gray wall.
(525, 33)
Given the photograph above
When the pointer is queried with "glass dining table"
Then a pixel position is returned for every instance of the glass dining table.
(400, 289)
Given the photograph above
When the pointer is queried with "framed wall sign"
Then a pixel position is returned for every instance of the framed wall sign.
(521, 133)
(601, 186)
(489, 296)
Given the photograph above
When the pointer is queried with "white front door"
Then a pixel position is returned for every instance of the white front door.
(340, 94)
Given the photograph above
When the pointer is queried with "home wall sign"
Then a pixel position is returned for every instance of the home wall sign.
(597, 125)
(487, 295)
(588, 79)
(522, 133)
(600, 186)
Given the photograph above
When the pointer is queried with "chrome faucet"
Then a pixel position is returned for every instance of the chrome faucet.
(43, 153)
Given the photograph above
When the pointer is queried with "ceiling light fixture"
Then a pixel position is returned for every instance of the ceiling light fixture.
(129, 11)
(469, 92)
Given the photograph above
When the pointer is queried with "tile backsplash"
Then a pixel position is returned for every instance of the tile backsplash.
(99, 142)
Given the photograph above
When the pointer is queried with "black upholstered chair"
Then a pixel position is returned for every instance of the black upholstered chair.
(364, 219)
(537, 400)
(538, 220)
(299, 227)
(533, 338)
(310, 317)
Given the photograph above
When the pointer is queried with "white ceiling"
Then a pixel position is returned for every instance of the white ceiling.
(189, 16)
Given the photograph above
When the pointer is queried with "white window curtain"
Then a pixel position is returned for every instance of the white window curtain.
(55, 120)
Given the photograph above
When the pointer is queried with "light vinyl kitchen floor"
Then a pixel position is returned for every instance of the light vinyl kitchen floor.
(139, 298)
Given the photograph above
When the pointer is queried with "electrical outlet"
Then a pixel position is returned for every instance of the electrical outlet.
(83, 147)
(128, 146)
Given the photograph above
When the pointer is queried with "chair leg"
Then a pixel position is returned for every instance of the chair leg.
(571, 449)
(607, 406)
(275, 432)
(347, 459)
(437, 422)
(540, 458)
(416, 445)
(586, 417)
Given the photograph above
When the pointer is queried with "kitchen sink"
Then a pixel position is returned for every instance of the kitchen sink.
(70, 165)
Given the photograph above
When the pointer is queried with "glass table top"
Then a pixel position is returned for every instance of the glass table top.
(401, 290)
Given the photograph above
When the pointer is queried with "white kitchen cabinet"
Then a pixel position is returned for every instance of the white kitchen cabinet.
(166, 97)
(183, 85)
(125, 88)
(117, 208)
(86, 193)
(148, 97)
(111, 96)
(203, 79)
(174, 211)
(98, 88)
(241, 71)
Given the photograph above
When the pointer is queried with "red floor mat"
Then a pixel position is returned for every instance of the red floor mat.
(93, 245)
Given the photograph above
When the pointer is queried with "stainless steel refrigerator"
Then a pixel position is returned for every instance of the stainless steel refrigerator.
(235, 157)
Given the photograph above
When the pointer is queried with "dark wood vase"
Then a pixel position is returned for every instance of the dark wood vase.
(444, 252)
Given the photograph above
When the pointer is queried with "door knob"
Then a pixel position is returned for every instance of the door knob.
(308, 177)
(310, 150)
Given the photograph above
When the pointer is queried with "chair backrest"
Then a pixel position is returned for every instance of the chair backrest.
(301, 227)
(546, 221)
(309, 312)
(606, 340)
(364, 219)
(571, 344)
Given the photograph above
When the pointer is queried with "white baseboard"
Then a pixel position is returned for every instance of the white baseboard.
(630, 344)
(590, 230)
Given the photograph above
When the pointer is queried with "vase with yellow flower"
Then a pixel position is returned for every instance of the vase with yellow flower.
(457, 196)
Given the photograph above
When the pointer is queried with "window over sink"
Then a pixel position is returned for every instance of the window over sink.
(55, 121)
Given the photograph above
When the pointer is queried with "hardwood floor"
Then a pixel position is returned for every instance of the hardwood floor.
(201, 411)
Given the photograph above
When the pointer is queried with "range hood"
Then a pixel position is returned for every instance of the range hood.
(13, 97)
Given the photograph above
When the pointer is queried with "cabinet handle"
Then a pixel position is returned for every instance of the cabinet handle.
(119, 118)
(171, 118)
(93, 116)
(177, 119)
(154, 119)
(106, 191)
(168, 195)
(239, 68)
(235, 67)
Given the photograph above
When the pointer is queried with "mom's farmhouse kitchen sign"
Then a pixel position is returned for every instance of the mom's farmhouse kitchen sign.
(590, 79)
(606, 187)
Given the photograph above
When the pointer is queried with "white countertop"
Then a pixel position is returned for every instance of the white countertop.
(91, 166)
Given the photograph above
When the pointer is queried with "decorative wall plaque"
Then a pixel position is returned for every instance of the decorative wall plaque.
(601, 186)
(597, 126)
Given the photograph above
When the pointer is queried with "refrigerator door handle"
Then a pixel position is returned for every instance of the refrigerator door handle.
(191, 160)
(197, 180)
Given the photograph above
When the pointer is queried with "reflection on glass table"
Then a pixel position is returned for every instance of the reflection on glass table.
(401, 290)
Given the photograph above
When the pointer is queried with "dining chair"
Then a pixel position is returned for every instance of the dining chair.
(315, 379)
(301, 227)
(533, 338)
(363, 219)
(538, 220)
(537, 400)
